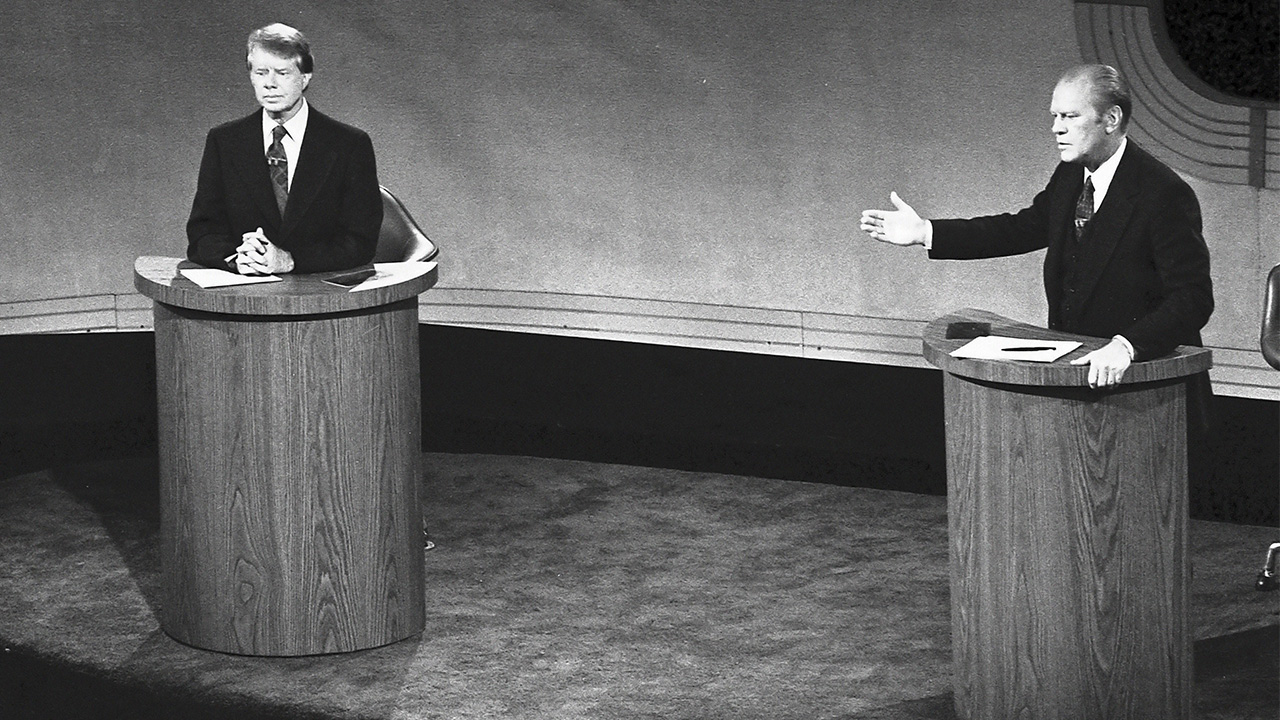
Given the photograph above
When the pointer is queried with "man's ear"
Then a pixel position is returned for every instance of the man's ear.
(1113, 116)
(306, 80)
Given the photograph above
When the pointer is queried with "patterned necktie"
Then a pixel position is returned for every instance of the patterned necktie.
(1084, 207)
(278, 164)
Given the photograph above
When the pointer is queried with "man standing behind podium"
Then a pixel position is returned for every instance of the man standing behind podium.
(287, 189)
(1125, 257)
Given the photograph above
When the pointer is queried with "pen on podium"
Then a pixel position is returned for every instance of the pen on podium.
(1029, 348)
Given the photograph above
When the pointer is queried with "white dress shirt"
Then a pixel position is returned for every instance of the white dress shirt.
(295, 128)
(1105, 173)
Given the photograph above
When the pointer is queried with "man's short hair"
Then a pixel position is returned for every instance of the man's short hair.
(283, 41)
(1106, 86)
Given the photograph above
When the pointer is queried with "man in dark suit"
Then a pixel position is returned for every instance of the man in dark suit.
(1125, 256)
(287, 189)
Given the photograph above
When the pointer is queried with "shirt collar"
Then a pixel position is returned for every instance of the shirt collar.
(1103, 175)
(296, 126)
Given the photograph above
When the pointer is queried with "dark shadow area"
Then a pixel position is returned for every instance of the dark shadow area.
(1240, 671)
(936, 707)
(1233, 46)
(759, 415)
(688, 409)
(74, 398)
(125, 495)
(45, 688)
(35, 689)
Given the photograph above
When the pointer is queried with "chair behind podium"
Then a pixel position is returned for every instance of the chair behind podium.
(400, 239)
(1269, 577)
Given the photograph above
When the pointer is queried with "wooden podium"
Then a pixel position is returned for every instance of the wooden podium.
(1067, 515)
(290, 452)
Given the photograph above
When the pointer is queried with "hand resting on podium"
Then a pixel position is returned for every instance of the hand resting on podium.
(1107, 364)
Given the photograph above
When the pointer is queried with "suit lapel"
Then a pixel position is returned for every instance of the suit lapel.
(315, 161)
(251, 162)
(1105, 230)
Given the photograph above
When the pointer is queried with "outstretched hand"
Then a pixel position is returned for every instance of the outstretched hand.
(902, 226)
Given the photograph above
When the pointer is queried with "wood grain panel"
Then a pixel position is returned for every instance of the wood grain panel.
(1067, 512)
(159, 279)
(1181, 362)
(290, 451)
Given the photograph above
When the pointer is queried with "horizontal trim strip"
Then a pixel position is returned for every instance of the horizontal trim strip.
(812, 335)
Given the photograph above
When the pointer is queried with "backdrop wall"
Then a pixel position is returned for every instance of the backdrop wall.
(655, 163)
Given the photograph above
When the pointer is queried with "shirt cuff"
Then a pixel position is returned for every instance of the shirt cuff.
(928, 234)
(1127, 346)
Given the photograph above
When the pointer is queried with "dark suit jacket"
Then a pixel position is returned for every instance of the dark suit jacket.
(334, 210)
(1143, 266)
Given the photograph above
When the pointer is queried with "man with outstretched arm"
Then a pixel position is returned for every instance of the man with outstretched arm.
(1125, 257)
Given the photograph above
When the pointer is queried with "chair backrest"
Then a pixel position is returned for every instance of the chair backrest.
(1271, 320)
(400, 239)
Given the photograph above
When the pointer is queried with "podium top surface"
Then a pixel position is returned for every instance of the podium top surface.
(1183, 361)
(303, 294)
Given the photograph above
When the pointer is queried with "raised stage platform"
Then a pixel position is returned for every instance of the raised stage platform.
(563, 589)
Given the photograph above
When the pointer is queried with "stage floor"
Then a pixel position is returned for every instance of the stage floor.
(562, 589)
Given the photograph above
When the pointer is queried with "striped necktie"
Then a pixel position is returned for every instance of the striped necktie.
(278, 164)
(1084, 207)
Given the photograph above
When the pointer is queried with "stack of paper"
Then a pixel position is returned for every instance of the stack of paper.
(391, 273)
(212, 277)
(995, 347)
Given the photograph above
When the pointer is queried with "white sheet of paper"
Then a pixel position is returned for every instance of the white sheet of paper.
(213, 277)
(996, 347)
(391, 273)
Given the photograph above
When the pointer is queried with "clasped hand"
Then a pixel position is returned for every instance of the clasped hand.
(257, 255)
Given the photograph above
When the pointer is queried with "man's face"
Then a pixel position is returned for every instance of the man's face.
(1084, 135)
(277, 83)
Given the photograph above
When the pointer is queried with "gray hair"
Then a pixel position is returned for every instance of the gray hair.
(1107, 88)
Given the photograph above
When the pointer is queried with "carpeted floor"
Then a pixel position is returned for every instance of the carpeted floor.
(564, 589)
